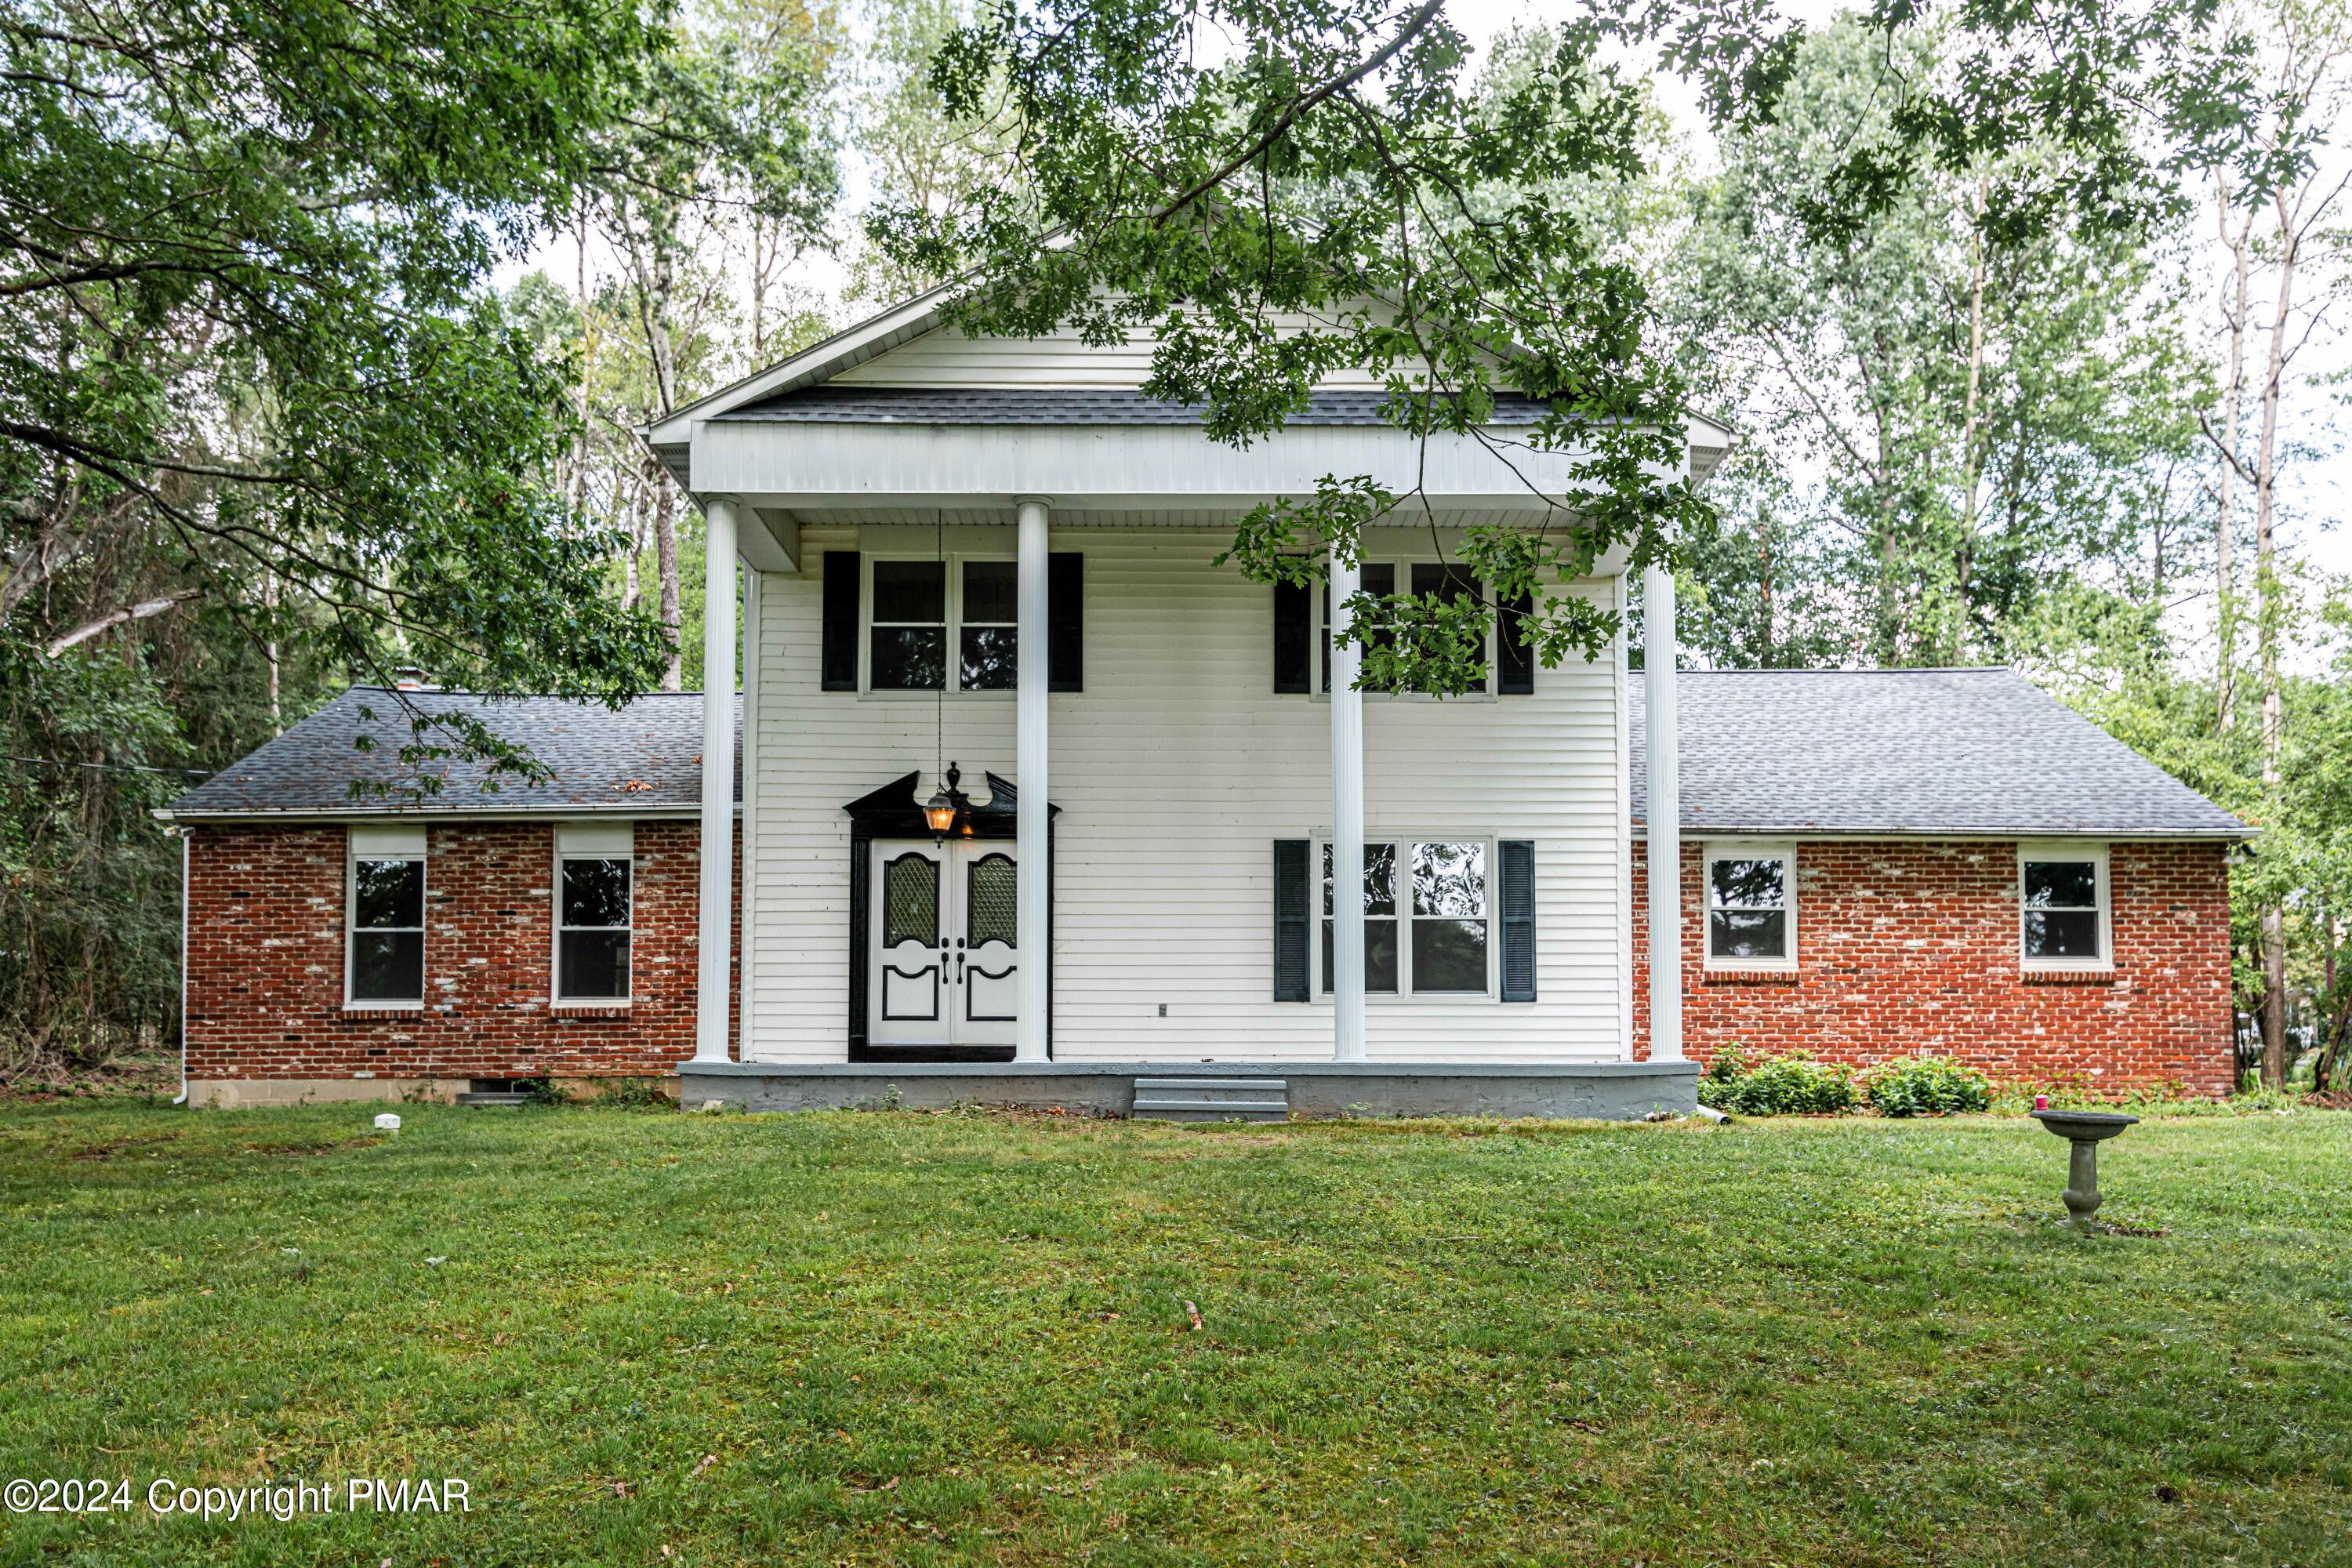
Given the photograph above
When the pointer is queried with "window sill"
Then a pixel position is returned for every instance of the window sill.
(384, 1009)
(1749, 977)
(611, 1007)
(2068, 976)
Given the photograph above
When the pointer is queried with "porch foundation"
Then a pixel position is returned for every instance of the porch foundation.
(1607, 1092)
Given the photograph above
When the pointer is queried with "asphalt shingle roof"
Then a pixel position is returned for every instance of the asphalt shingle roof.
(1840, 751)
(841, 404)
(647, 756)
(1910, 751)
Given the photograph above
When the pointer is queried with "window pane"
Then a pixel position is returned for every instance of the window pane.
(1747, 934)
(992, 591)
(1749, 885)
(1451, 583)
(1379, 956)
(909, 658)
(910, 901)
(993, 886)
(595, 963)
(1449, 955)
(387, 893)
(1447, 879)
(910, 591)
(595, 892)
(2061, 884)
(2061, 934)
(1380, 878)
(991, 660)
(388, 966)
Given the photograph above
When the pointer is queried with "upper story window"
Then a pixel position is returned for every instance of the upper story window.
(1419, 578)
(1752, 905)
(595, 907)
(2062, 907)
(384, 895)
(951, 624)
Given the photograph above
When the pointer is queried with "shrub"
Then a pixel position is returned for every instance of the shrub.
(1793, 1085)
(1926, 1086)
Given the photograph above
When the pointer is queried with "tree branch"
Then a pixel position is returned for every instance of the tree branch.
(121, 616)
(1413, 25)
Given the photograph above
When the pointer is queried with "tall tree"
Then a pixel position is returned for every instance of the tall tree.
(1275, 189)
(727, 160)
(1957, 416)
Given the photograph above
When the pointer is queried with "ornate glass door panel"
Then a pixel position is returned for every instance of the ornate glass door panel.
(912, 979)
(945, 969)
(987, 965)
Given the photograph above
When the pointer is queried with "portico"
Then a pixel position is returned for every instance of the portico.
(1447, 879)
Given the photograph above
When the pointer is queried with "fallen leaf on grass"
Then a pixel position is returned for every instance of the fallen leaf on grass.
(702, 1464)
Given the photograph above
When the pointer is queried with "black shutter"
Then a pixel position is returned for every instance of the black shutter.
(1065, 625)
(1516, 658)
(1519, 901)
(1290, 920)
(837, 664)
(1294, 638)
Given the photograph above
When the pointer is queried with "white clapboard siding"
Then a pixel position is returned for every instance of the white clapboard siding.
(1175, 769)
(944, 356)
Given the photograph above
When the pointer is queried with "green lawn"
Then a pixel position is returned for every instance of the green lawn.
(652, 1339)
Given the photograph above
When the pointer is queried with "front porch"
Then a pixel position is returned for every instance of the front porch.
(1590, 1091)
(1171, 764)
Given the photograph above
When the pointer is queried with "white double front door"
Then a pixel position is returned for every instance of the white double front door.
(944, 966)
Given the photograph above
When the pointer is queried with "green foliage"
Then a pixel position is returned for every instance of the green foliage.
(1925, 1086)
(1278, 192)
(1793, 1085)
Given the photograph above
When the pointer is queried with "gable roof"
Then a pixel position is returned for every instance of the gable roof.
(902, 323)
(644, 760)
(1910, 752)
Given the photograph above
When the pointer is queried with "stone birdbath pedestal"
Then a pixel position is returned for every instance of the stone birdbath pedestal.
(2086, 1130)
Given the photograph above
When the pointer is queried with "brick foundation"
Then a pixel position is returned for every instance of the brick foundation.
(1906, 947)
(266, 914)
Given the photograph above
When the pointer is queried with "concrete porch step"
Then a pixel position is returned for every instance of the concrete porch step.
(1212, 1099)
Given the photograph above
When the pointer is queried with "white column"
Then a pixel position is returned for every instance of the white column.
(747, 875)
(1346, 825)
(1665, 815)
(715, 935)
(1033, 917)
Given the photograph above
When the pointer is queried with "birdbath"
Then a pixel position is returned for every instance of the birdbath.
(2086, 1130)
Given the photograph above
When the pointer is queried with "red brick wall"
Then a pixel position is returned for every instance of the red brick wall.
(1906, 947)
(266, 961)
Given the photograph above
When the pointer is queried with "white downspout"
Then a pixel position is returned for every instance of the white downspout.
(182, 1098)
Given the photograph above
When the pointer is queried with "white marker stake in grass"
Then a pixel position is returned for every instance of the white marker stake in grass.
(388, 1122)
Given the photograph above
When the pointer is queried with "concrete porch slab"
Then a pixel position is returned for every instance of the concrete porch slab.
(1616, 1091)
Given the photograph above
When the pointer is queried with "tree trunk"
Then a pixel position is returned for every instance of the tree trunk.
(2225, 523)
(1971, 465)
(269, 602)
(665, 570)
(2268, 615)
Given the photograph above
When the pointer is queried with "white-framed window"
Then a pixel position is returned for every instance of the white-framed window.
(1429, 916)
(596, 902)
(937, 625)
(1414, 577)
(2062, 907)
(1751, 905)
(383, 909)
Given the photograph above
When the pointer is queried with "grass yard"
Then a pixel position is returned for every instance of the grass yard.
(656, 1339)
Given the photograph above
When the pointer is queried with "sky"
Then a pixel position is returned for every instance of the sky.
(2315, 491)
